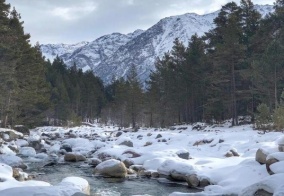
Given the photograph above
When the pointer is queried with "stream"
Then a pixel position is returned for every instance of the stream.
(107, 186)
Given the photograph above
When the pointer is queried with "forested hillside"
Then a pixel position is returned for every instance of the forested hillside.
(227, 73)
(34, 91)
(236, 67)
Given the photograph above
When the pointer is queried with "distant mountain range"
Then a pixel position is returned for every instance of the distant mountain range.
(111, 56)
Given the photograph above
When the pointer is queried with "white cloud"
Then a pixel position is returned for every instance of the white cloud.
(71, 21)
(72, 13)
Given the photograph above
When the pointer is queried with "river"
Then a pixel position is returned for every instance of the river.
(108, 186)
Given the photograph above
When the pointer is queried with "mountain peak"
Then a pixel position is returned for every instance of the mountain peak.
(110, 56)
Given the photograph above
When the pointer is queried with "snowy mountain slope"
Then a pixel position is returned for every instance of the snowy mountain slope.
(50, 51)
(112, 55)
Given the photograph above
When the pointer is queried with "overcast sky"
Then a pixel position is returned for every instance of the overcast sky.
(72, 21)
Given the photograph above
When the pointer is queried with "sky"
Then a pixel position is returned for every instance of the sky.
(73, 21)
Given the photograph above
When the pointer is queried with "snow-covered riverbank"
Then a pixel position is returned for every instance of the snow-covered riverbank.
(220, 159)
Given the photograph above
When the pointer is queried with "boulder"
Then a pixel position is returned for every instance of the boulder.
(158, 136)
(183, 154)
(148, 143)
(281, 148)
(177, 176)
(27, 151)
(104, 156)
(229, 154)
(127, 143)
(144, 173)
(262, 192)
(94, 162)
(36, 144)
(118, 134)
(131, 154)
(66, 147)
(234, 152)
(9, 135)
(78, 182)
(74, 157)
(155, 175)
(13, 161)
(130, 172)
(281, 144)
(111, 168)
(261, 156)
(204, 182)
(128, 163)
(269, 162)
(136, 168)
(192, 181)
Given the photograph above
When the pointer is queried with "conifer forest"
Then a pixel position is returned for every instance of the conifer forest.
(236, 69)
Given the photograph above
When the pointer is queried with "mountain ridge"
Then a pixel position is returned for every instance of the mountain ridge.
(110, 56)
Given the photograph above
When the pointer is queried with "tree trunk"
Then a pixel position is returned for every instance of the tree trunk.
(234, 102)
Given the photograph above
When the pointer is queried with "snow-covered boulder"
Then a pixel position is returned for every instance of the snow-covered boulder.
(272, 159)
(111, 168)
(271, 184)
(27, 151)
(80, 183)
(68, 187)
(183, 154)
(12, 160)
(176, 169)
(9, 134)
(126, 141)
(281, 144)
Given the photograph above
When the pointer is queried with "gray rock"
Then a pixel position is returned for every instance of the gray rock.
(155, 175)
(94, 162)
(118, 134)
(270, 162)
(262, 192)
(111, 168)
(148, 143)
(36, 145)
(229, 154)
(183, 155)
(192, 181)
(234, 152)
(260, 156)
(127, 143)
(281, 148)
(204, 182)
(178, 176)
(66, 147)
(158, 136)
(72, 157)
(128, 163)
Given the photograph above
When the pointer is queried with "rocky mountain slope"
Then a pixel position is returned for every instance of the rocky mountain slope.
(111, 56)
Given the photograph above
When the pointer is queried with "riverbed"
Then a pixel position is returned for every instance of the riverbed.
(100, 186)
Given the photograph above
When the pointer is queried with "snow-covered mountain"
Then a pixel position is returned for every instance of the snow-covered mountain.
(111, 56)
(50, 51)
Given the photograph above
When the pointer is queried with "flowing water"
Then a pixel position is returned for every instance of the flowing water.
(108, 186)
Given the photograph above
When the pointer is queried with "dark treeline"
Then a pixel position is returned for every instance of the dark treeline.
(235, 69)
(36, 92)
(227, 73)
